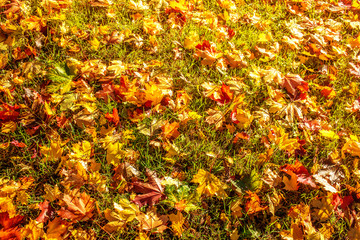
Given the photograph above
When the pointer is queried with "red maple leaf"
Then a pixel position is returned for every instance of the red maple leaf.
(303, 176)
(46, 211)
(204, 46)
(295, 86)
(223, 96)
(113, 117)
(9, 113)
(152, 191)
(10, 229)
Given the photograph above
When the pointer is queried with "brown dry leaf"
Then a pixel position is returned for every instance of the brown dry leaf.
(291, 82)
(354, 233)
(236, 209)
(152, 192)
(3, 60)
(79, 207)
(274, 201)
(271, 178)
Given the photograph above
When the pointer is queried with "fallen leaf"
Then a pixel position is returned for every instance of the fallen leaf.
(209, 185)
(79, 207)
(152, 192)
(152, 222)
(177, 221)
(252, 205)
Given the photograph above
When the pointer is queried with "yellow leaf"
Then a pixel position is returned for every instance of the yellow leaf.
(191, 41)
(352, 147)
(209, 185)
(323, 208)
(33, 230)
(264, 37)
(51, 193)
(125, 211)
(177, 223)
(52, 153)
(6, 205)
(114, 153)
(95, 44)
(178, 5)
(81, 151)
(8, 127)
(48, 109)
(329, 134)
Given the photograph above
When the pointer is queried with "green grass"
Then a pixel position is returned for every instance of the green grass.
(200, 145)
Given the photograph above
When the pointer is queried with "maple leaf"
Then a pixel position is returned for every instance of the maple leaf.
(10, 226)
(209, 185)
(152, 191)
(125, 211)
(152, 26)
(294, 85)
(323, 207)
(355, 70)
(57, 228)
(177, 221)
(114, 117)
(302, 174)
(291, 181)
(354, 232)
(8, 112)
(253, 203)
(52, 153)
(352, 147)
(170, 130)
(152, 222)
(79, 208)
(46, 212)
(18, 144)
(355, 106)
(242, 118)
(215, 117)
(33, 230)
(114, 153)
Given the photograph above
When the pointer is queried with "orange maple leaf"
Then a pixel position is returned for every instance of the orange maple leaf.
(253, 204)
(79, 208)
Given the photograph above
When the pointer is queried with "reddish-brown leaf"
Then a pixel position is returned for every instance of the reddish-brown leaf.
(46, 211)
(303, 176)
(294, 85)
(8, 112)
(152, 191)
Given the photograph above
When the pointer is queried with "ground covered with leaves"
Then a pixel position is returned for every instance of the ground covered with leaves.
(179, 119)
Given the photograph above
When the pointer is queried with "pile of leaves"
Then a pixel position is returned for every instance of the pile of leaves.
(162, 119)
